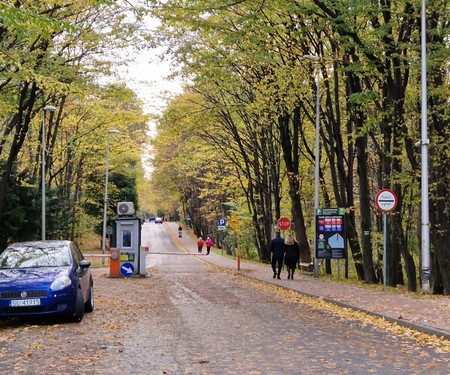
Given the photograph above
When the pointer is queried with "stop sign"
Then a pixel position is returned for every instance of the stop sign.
(284, 223)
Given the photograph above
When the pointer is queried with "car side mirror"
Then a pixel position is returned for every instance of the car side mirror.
(85, 264)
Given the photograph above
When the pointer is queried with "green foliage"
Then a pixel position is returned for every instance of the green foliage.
(21, 216)
(53, 53)
(246, 63)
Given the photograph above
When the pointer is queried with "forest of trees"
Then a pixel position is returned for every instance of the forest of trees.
(56, 53)
(240, 139)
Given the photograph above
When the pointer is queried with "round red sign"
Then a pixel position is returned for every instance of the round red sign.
(284, 223)
(386, 200)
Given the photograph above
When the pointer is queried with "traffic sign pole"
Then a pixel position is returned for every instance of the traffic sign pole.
(384, 249)
(386, 201)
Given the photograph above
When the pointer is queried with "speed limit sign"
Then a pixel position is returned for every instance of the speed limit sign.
(386, 200)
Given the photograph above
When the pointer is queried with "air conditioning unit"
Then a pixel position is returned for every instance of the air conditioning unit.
(125, 208)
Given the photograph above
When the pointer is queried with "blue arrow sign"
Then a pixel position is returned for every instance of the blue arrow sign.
(127, 269)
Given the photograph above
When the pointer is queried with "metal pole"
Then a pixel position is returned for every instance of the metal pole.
(316, 173)
(50, 109)
(424, 148)
(384, 249)
(43, 175)
(105, 201)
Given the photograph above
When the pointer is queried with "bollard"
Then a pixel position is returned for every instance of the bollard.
(239, 262)
(114, 264)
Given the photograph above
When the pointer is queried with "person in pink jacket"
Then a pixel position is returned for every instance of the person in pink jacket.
(208, 244)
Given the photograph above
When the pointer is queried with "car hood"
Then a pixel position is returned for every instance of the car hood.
(13, 278)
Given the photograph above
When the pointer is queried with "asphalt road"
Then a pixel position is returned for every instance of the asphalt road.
(192, 318)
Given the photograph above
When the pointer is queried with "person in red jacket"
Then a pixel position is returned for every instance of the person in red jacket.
(200, 244)
(208, 244)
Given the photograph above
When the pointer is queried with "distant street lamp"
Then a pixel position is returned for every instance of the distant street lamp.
(105, 207)
(317, 161)
(48, 108)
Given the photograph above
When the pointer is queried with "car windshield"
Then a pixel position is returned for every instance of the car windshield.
(32, 257)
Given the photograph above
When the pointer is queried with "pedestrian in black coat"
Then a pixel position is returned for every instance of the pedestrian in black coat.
(277, 250)
(291, 255)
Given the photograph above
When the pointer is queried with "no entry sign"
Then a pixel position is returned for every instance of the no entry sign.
(386, 200)
(284, 223)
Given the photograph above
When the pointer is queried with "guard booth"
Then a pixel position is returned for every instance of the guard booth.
(125, 241)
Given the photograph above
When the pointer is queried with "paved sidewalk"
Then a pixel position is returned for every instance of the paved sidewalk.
(427, 315)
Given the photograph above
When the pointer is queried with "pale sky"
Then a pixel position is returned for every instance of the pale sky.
(147, 77)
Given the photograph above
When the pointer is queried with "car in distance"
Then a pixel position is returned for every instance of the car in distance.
(45, 277)
(158, 220)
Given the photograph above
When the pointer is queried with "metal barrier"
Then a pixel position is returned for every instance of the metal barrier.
(175, 253)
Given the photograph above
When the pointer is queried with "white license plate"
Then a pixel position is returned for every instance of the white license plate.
(25, 302)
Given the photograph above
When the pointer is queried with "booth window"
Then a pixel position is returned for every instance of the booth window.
(126, 238)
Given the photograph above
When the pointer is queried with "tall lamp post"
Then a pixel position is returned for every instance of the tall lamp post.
(424, 149)
(105, 207)
(317, 161)
(46, 109)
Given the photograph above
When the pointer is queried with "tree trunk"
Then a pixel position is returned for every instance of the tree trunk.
(20, 123)
(290, 146)
(365, 212)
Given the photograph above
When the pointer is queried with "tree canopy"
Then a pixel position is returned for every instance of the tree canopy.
(55, 53)
(257, 67)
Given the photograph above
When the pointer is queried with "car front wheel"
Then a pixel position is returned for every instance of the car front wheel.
(89, 305)
(78, 311)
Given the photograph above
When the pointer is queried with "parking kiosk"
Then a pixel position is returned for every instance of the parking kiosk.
(125, 239)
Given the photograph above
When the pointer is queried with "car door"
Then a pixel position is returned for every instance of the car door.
(84, 274)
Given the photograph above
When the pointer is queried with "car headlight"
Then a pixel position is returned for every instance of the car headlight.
(60, 283)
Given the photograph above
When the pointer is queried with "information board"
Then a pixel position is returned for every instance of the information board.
(330, 231)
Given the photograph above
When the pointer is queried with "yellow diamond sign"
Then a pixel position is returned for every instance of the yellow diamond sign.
(234, 222)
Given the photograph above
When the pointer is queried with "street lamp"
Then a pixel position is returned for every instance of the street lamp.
(317, 160)
(48, 108)
(424, 156)
(105, 207)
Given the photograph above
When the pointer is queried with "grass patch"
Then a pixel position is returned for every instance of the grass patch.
(92, 244)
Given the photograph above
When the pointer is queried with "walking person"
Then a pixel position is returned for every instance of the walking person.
(180, 231)
(277, 249)
(200, 244)
(291, 255)
(208, 244)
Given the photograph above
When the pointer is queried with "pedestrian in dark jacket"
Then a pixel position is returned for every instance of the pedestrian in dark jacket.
(291, 255)
(276, 248)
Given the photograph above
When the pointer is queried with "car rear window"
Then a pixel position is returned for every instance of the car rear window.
(32, 257)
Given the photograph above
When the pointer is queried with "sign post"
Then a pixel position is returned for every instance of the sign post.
(234, 224)
(386, 201)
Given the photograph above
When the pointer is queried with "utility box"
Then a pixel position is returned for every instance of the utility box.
(125, 232)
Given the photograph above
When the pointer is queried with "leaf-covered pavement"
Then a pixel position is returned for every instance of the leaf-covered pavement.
(191, 318)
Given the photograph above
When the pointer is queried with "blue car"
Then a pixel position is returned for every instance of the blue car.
(45, 277)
